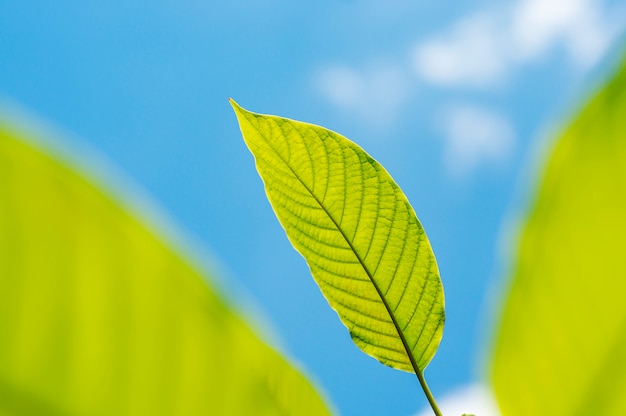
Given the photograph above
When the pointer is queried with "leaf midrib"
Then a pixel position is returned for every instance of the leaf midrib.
(361, 261)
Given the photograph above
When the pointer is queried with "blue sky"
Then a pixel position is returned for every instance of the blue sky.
(453, 98)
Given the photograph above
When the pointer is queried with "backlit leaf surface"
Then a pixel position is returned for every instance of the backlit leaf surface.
(358, 233)
(99, 316)
(561, 346)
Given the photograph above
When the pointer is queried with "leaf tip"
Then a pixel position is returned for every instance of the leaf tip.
(240, 112)
(236, 107)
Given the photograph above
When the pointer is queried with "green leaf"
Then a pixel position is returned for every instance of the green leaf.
(363, 243)
(100, 316)
(560, 349)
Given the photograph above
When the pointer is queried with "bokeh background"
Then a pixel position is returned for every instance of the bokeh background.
(456, 99)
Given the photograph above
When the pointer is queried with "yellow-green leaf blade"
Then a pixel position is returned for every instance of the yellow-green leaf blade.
(100, 316)
(358, 233)
(560, 347)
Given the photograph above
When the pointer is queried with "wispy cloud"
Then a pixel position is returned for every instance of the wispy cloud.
(582, 26)
(474, 399)
(482, 49)
(374, 93)
(470, 54)
(475, 136)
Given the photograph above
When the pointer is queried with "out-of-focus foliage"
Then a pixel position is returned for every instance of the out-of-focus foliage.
(358, 233)
(561, 346)
(98, 316)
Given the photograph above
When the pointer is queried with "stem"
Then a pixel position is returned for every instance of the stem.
(429, 395)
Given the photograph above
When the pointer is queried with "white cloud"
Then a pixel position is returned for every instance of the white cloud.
(480, 50)
(579, 25)
(470, 54)
(474, 399)
(473, 137)
(375, 93)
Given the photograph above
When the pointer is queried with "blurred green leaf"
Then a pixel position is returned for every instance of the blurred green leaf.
(98, 316)
(358, 233)
(561, 346)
